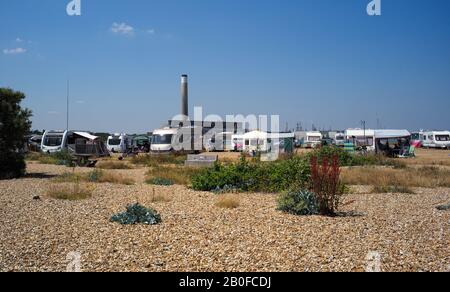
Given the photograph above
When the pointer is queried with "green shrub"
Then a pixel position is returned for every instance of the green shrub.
(137, 214)
(14, 125)
(159, 181)
(95, 176)
(298, 203)
(253, 176)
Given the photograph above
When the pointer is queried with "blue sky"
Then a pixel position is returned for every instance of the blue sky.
(312, 61)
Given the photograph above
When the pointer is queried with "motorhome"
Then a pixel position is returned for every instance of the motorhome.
(436, 139)
(75, 142)
(313, 140)
(119, 143)
(361, 138)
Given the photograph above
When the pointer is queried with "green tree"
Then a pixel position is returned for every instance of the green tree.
(15, 124)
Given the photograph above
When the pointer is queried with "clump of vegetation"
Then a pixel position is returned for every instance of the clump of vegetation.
(58, 158)
(95, 176)
(245, 176)
(178, 175)
(427, 177)
(300, 203)
(228, 202)
(348, 159)
(14, 125)
(443, 207)
(159, 181)
(396, 189)
(159, 198)
(137, 214)
(71, 192)
(113, 165)
(326, 184)
(153, 160)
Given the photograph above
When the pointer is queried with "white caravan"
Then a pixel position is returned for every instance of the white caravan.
(313, 140)
(436, 139)
(57, 141)
(257, 141)
(162, 140)
(361, 138)
(118, 143)
(339, 139)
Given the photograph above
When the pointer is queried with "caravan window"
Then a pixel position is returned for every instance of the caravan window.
(53, 141)
(114, 142)
(442, 138)
(313, 138)
(162, 140)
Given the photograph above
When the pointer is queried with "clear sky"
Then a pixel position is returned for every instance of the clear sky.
(312, 61)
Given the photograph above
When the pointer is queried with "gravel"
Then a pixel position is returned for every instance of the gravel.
(407, 232)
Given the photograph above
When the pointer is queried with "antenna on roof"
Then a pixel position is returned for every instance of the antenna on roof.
(67, 106)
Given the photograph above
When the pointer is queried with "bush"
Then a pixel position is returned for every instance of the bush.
(396, 189)
(158, 181)
(228, 202)
(15, 124)
(152, 160)
(72, 192)
(137, 214)
(299, 203)
(57, 158)
(326, 185)
(254, 176)
(178, 175)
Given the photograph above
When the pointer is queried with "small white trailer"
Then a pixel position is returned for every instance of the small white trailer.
(119, 143)
(436, 139)
(361, 138)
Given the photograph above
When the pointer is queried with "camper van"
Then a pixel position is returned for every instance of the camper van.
(313, 140)
(361, 138)
(54, 141)
(118, 143)
(436, 139)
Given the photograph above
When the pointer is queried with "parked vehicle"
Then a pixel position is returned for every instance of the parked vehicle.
(34, 143)
(313, 140)
(119, 143)
(436, 139)
(81, 145)
(162, 140)
(416, 139)
(361, 138)
(339, 139)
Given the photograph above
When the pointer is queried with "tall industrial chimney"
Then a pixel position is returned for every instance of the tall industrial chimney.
(184, 96)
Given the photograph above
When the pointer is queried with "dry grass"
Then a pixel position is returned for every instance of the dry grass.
(177, 175)
(392, 190)
(427, 177)
(96, 176)
(113, 165)
(70, 192)
(155, 160)
(228, 202)
(115, 178)
(159, 198)
(430, 157)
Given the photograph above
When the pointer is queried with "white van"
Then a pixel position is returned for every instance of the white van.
(436, 139)
(118, 143)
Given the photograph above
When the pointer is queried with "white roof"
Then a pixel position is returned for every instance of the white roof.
(359, 132)
(438, 132)
(391, 133)
(314, 134)
(86, 135)
(166, 131)
(264, 135)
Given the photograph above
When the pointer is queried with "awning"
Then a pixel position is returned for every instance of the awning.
(87, 136)
(388, 134)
